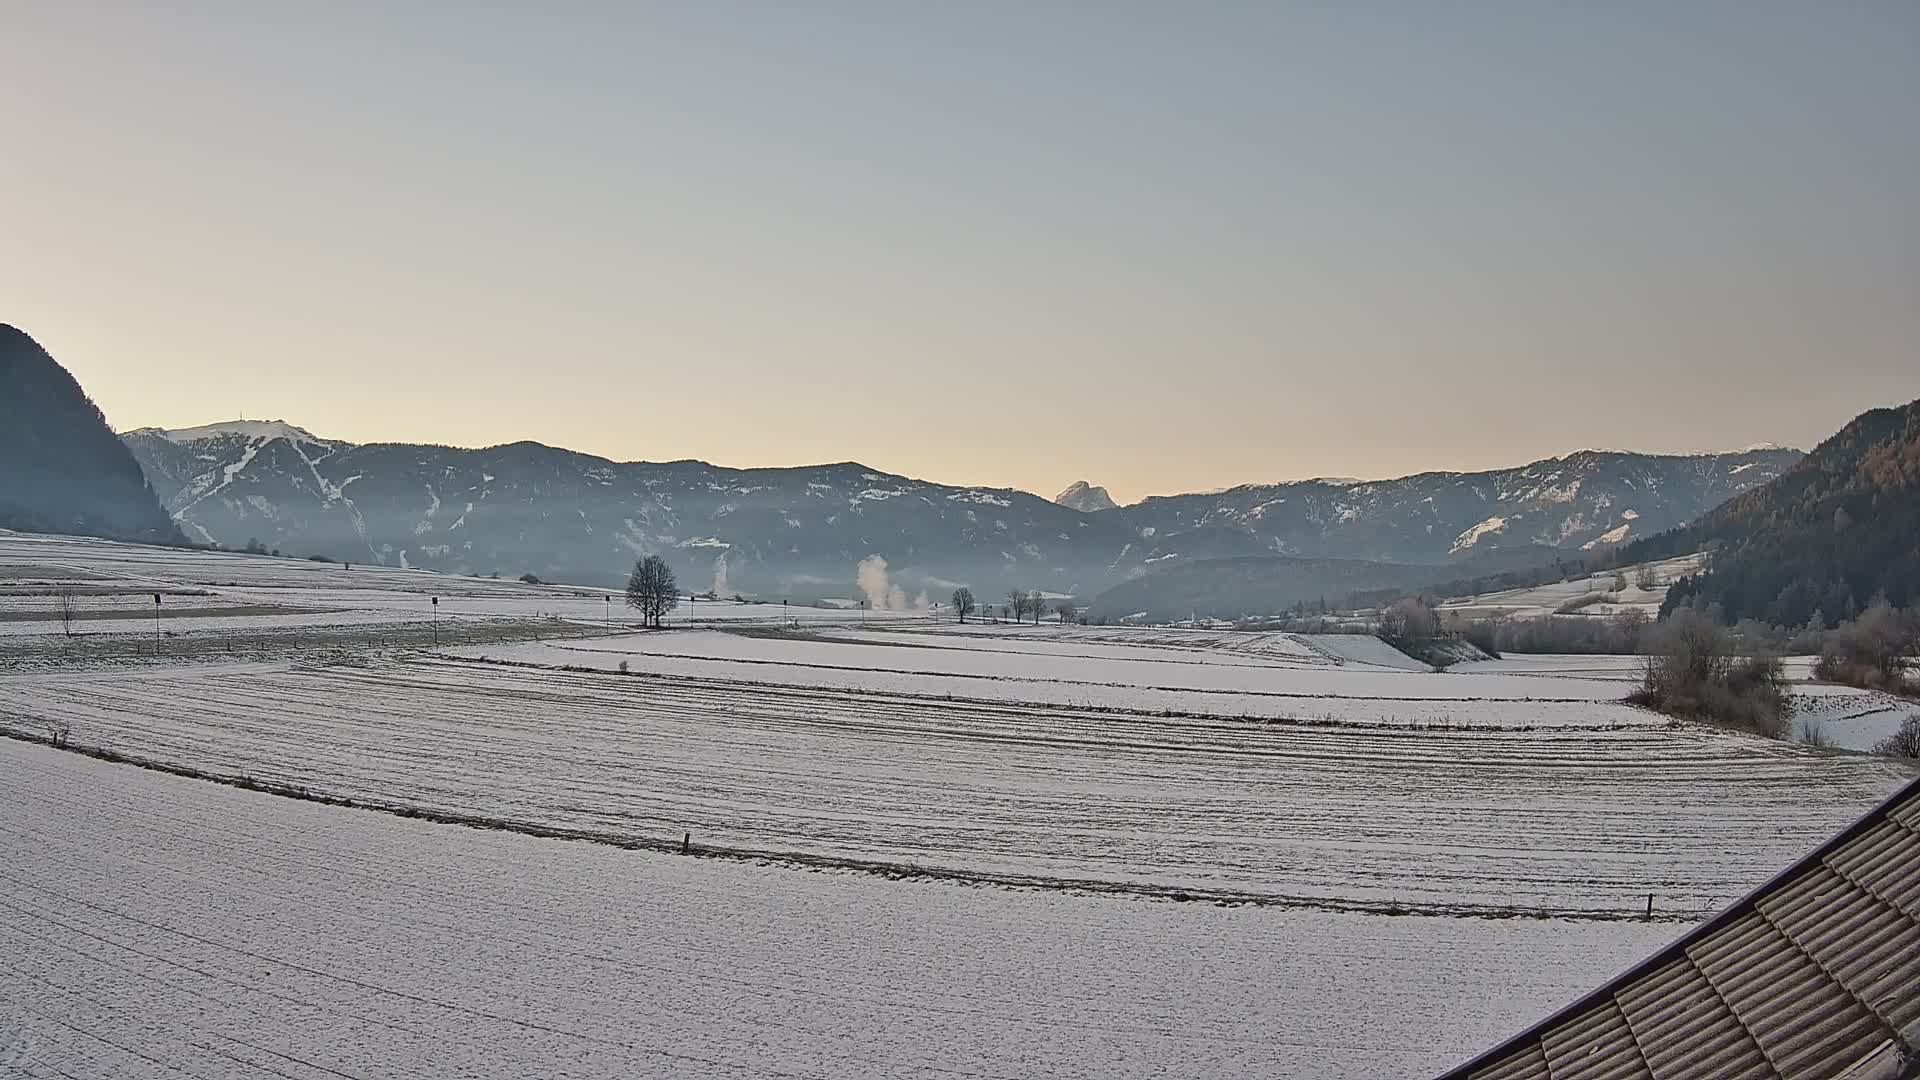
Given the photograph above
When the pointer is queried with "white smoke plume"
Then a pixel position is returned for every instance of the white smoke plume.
(720, 575)
(882, 593)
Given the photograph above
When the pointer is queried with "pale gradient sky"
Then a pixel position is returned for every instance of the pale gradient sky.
(1163, 247)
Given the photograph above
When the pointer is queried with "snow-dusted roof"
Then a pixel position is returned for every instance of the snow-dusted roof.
(1814, 975)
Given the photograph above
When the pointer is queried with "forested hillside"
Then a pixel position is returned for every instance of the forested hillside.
(62, 469)
(1824, 538)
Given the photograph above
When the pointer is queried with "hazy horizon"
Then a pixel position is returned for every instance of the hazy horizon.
(1159, 250)
(1048, 494)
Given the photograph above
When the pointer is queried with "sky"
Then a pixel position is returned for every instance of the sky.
(1163, 247)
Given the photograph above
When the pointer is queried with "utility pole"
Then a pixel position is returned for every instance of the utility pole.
(436, 621)
(156, 622)
(609, 599)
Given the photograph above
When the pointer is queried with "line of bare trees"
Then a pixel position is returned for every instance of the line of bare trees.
(1021, 603)
(1025, 603)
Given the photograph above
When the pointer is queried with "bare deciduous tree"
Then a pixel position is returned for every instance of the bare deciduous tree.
(1873, 650)
(1904, 742)
(963, 602)
(1408, 619)
(1692, 649)
(1646, 579)
(1067, 612)
(1693, 671)
(652, 590)
(63, 602)
(1036, 606)
(1017, 604)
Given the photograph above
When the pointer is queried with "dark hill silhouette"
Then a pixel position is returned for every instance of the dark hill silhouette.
(62, 469)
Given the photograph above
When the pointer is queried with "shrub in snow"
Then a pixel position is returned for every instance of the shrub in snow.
(1903, 743)
(1693, 674)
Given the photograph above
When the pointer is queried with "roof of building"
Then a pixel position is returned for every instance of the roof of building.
(1814, 974)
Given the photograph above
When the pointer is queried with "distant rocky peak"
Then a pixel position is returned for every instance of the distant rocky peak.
(1084, 497)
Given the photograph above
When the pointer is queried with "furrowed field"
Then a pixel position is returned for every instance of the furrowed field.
(911, 848)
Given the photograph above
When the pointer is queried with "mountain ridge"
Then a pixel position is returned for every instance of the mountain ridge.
(1585, 499)
(567, 515)
(1762, 448)
(504, 509)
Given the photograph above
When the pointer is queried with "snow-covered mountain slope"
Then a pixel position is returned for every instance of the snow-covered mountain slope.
(526, 507)
(246, 429)
(1582, 501)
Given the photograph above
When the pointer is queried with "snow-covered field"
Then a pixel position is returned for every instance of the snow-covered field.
(213, 595)
(1541, 600)
(1848, 718)
(162, 927)
(1608, 668)
(1564, 821)
(933, 850)
(1034, 665)
(1824, 714)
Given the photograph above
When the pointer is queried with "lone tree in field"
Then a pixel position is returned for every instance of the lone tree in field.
(1036, 605)
(1017, 604)
(651, 590)
(963, 602)
(64, 605)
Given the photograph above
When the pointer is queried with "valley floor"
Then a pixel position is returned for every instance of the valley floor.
(157, 926)
(918, 849)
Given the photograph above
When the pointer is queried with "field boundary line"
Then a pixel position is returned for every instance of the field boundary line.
(896, 871)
